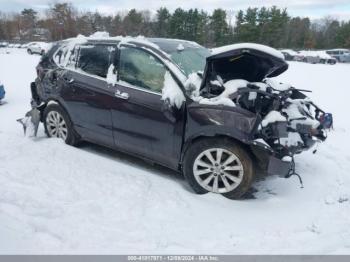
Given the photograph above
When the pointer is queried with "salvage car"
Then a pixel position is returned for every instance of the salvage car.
(38, 48)
(341, 55)
(214, 115)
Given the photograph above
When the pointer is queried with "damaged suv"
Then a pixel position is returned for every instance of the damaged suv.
(213, 115)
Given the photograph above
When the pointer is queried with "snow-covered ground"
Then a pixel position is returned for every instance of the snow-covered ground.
(59, 199)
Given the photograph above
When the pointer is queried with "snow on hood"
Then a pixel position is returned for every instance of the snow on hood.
(262, 48)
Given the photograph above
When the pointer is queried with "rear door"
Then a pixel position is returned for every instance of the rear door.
(142, 122)
(87, 95)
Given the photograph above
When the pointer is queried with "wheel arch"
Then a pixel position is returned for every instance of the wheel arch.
(203, 136)
(51, 101)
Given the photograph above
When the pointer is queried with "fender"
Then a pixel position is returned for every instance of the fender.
(209, 121)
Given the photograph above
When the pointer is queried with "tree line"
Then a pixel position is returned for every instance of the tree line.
(271, 26)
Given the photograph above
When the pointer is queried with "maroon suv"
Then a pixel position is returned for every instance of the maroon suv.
(211, 114)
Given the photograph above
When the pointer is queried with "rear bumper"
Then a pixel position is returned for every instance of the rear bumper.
(35, 97)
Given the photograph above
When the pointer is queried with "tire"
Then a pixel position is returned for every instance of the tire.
(243, 176)
(29, 52)
(51, 114)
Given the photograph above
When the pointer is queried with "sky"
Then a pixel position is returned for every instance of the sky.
(314, 9)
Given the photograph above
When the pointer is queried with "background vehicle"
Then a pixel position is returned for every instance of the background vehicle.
(342, 55)
(38, 48)
(153, 107)
(289, 55)
(3, 44)
(316, 57)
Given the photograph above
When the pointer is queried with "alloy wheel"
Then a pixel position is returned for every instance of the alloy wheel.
(56, 125)
(218, 170)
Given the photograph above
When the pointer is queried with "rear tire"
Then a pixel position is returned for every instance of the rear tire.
(232, 180)
(29, 52)
(58, 124)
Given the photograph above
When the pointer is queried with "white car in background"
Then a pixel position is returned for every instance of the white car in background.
(317, 57)
(342, 55)
(38, 48)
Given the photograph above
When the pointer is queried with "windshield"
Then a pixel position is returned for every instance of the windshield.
(189, 56)
(190, 60)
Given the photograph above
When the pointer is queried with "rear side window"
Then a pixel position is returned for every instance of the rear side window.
(95, 59)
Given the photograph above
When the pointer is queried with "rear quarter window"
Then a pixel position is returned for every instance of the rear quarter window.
(94, 59)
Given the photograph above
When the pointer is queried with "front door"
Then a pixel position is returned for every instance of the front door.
(142, 122)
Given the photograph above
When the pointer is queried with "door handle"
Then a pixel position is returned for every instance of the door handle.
(121, 95)
(69, 80)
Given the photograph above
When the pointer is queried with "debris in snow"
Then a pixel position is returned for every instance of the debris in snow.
(171, 91)
(272, 117)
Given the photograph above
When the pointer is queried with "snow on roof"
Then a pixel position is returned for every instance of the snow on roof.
(262, 48)
(320, 54)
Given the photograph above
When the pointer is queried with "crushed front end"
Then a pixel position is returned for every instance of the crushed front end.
(288, 122)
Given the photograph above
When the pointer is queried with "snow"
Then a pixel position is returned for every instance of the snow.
(172, 92)
(293, 139)
(272, 117)
(193, 84)
(111, 75)
(262, 48)
(317, 53)
(180, 47)
(232, 86)
(277, 85)
(57, 199)
(217, 101)
(223, 99)
(100, 34)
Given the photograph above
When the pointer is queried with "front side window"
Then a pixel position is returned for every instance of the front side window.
(94, 59)
(141, 69)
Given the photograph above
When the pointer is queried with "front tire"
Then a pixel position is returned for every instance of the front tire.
(220, 166)
(57, 124)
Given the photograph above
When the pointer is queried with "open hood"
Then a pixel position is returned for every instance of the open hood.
(251, 62)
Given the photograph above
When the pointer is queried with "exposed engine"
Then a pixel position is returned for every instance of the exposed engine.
(289, 121)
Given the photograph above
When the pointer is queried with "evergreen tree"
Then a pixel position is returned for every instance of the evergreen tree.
(162, 22)
(219, 31)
